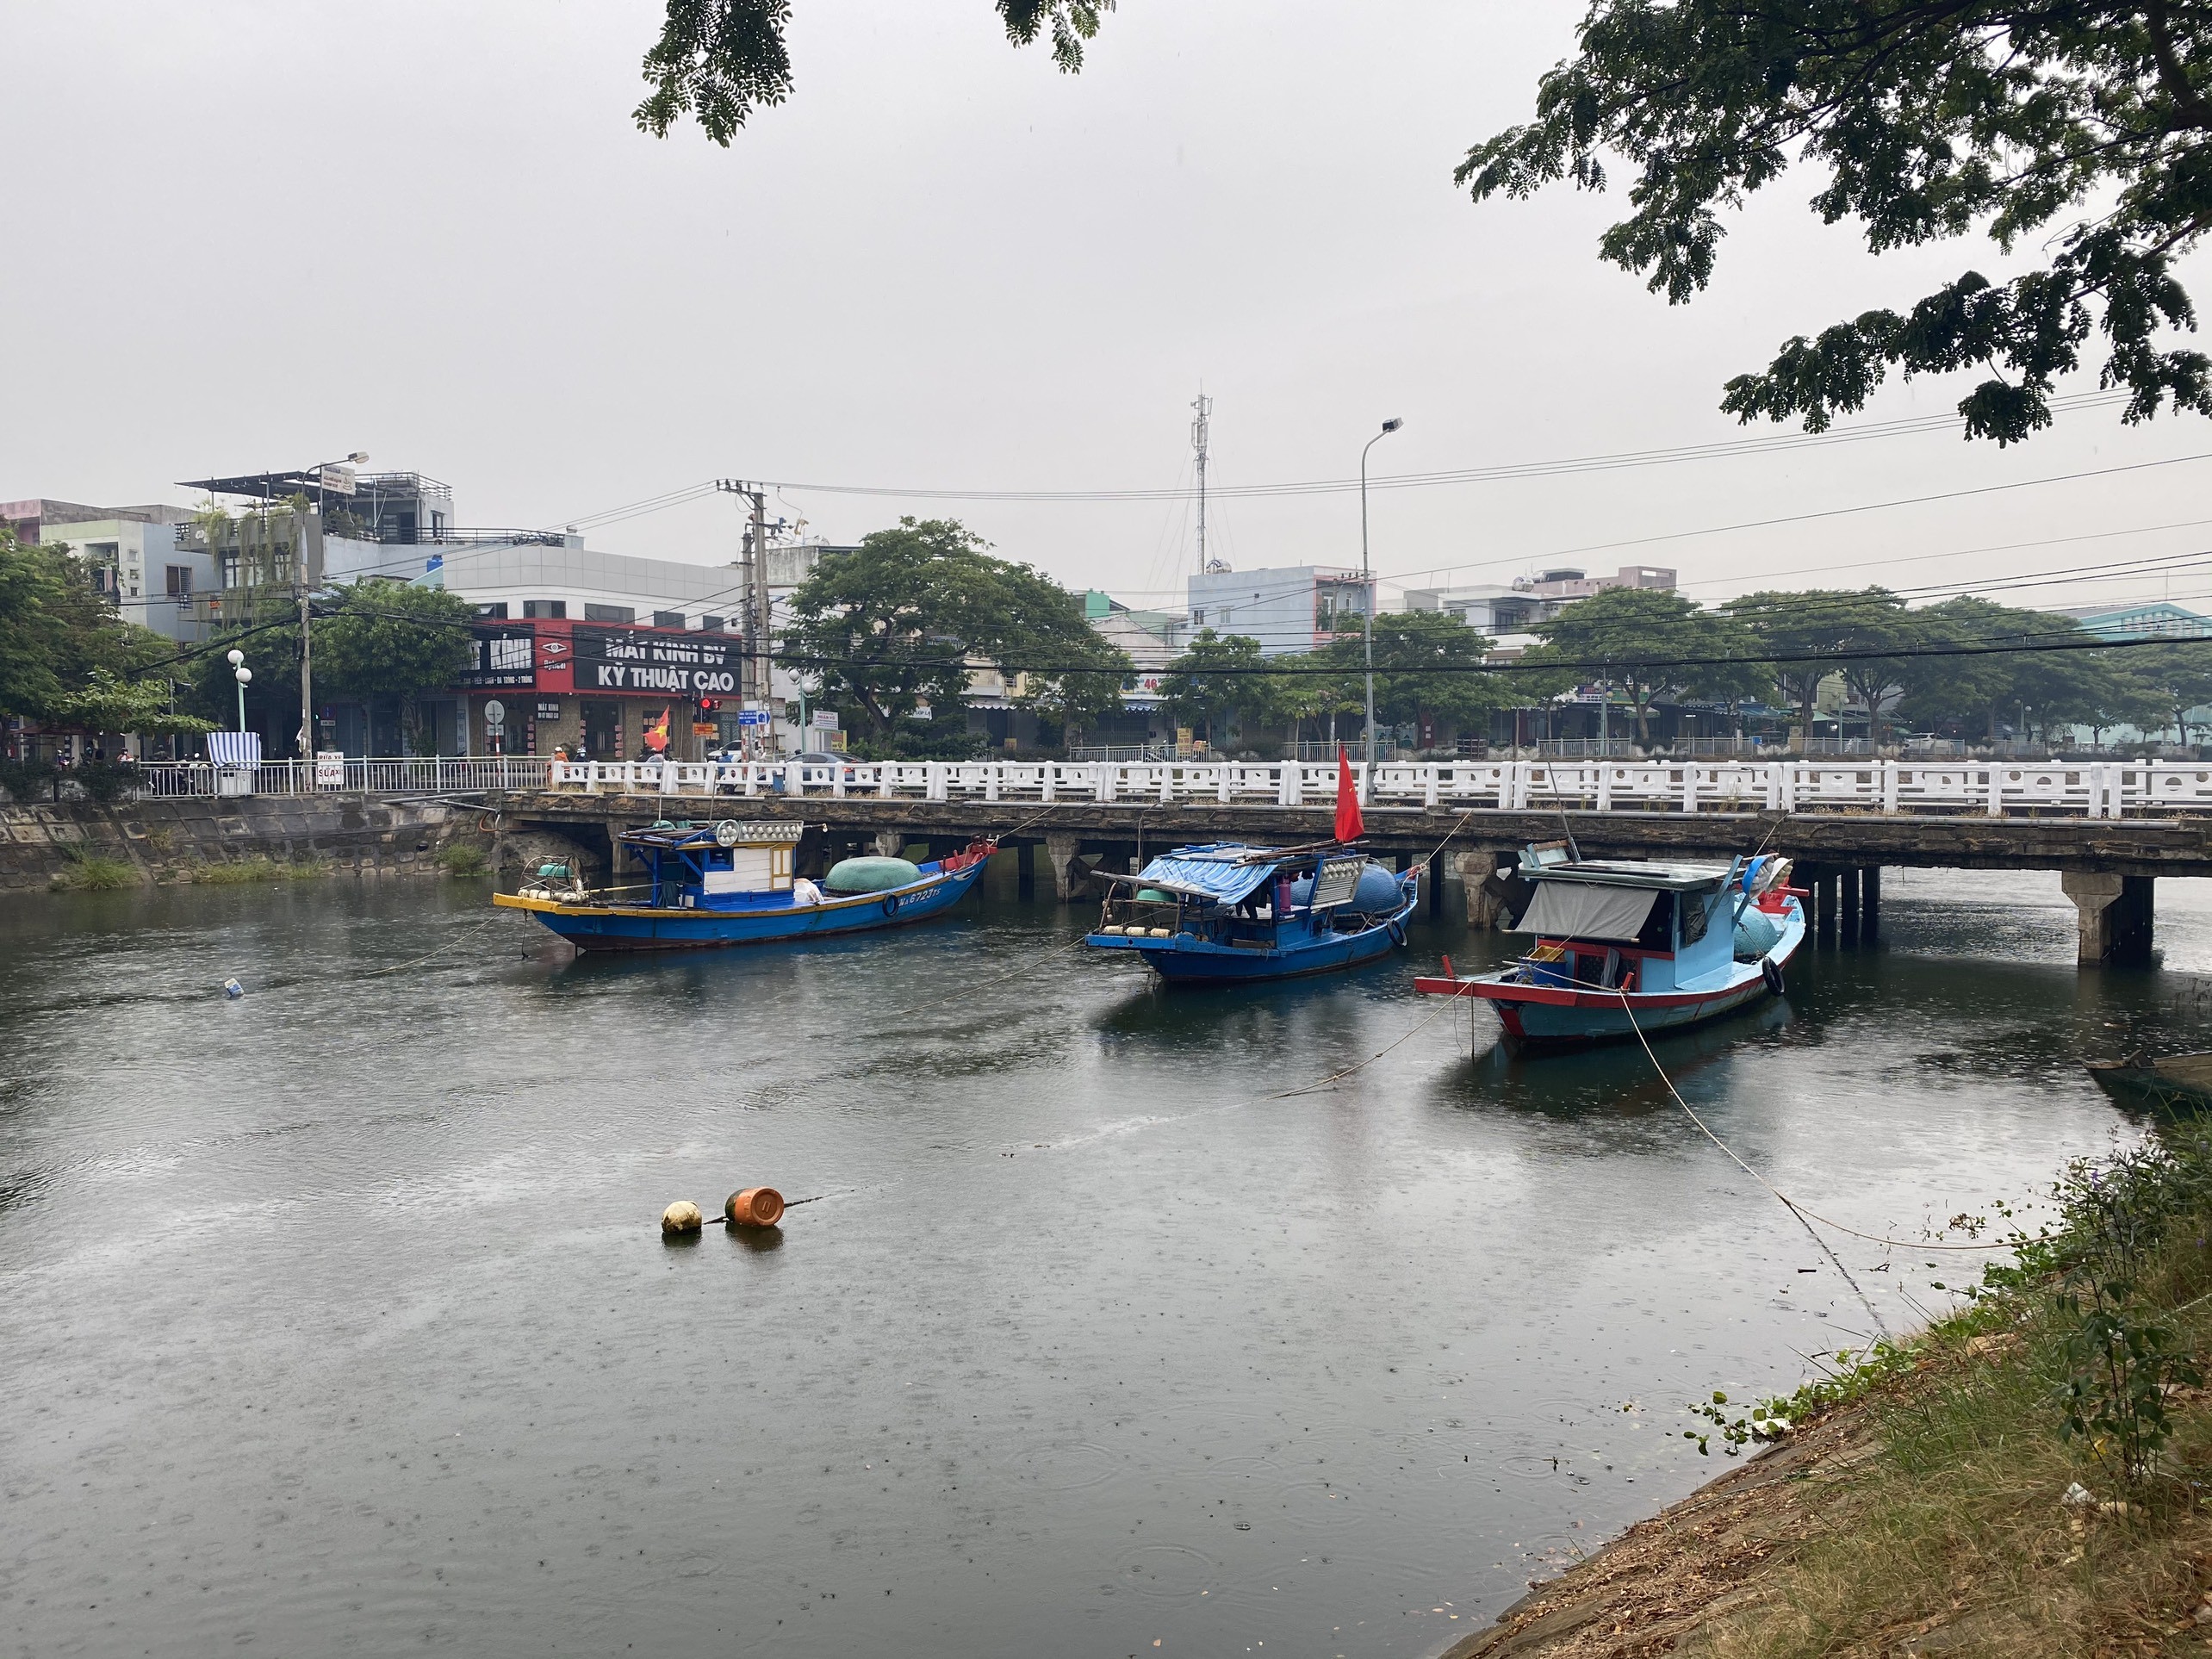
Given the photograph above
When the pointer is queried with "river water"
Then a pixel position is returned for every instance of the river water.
(336, 1319)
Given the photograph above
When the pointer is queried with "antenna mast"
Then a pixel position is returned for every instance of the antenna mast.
(1199, 428)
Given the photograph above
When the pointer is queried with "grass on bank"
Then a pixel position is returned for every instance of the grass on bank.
(93, 872)
(2080, 1366)
(260, 868)
(461, 859)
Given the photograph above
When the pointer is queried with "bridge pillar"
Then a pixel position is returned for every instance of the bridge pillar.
(891, 843)
(1486, 894)
(1434, 876)
(2115, 915)
(1826, 896)
(1067, 869)
(1025, 868)
(1870, 902)
(1847, 910)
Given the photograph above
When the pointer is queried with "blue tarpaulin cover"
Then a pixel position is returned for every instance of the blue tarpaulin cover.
(1210, 872)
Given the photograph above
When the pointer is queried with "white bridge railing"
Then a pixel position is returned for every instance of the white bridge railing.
(1994, 788)
(427, 775)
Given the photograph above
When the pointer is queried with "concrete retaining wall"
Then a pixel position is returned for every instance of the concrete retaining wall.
(165, 839)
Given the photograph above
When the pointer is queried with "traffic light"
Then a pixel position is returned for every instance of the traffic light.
(707, 705)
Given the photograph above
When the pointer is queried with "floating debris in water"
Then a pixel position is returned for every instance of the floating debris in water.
(233, 990)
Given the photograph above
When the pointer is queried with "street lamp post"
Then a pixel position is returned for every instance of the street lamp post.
(300, 592)
(1367, 582)
(244, 675)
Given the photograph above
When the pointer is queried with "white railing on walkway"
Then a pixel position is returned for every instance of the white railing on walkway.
(416, 775)
(1994, 788)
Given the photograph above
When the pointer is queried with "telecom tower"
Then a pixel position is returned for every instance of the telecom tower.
(1199, 428)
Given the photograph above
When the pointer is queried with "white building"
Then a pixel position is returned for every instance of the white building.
(1287, 609)
(136, 554)
(1500, 609)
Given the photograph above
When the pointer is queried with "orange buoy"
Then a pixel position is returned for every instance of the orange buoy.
(683, 1216)
(753, 1207)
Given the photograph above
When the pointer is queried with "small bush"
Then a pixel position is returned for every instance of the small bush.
(104, 782)
(463, 859)
(29, 780)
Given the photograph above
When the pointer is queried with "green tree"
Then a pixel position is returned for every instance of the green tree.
(2075, 129)
(1649, 640)
(1219, 677)
(1426, 662)
(2174, 678)
(718, 60)
(66, 658)
(898, 623)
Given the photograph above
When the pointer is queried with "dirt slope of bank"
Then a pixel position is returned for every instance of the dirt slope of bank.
(1657, 1585)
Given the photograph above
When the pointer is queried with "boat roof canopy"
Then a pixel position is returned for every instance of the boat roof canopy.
(672, 837)
(1581, 909)
(1224, 872)
(1628, 873)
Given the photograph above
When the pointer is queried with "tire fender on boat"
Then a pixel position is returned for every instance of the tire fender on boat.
(1397, 931)
(1771, 971)
(891, 903)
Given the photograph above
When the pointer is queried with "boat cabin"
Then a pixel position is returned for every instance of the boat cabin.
(1619, 925)
(722, 866)
(1233, 894)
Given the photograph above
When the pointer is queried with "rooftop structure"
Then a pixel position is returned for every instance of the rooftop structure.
(1289, 609)
(2147, 618)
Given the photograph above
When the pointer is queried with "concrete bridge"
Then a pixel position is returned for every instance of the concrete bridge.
(2108, 864)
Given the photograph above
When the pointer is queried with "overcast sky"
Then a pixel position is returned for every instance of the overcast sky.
(247, 235)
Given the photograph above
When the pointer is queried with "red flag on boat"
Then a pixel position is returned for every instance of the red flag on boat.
(1350, 826)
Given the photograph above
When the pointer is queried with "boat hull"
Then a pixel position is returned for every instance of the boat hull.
(614, 928)
(1564, 1017)
(1186, 960)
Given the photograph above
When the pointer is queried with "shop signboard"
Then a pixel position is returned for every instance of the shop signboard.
(504, 657)
(653, 663)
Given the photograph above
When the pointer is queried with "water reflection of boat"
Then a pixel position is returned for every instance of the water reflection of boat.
(1622, 946)
(1231, 913)
(733, 884)
(2171, 1083)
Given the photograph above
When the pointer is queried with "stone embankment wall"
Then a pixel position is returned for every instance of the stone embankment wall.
(168, 840)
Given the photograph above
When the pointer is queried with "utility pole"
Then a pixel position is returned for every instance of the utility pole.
(306, 652)
(754, 678)
(1201, 429)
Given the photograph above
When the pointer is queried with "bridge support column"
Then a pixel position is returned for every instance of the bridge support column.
(1433, 874)
(2115, 914)
(1067, 869)
(1025, 868)
(891, 843)
(1486, 894)
(1870, 904)
(1827, 895)
(1847, 910)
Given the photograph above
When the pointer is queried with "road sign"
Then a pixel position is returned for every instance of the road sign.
(336, 480)
(825, 719)
(496, 713)
(752, 717)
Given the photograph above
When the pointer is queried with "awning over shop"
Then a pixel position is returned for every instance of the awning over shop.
(1581, 909)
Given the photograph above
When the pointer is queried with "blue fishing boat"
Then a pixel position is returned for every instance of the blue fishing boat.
(1231, 913)
(1623, 946)
(733, 884)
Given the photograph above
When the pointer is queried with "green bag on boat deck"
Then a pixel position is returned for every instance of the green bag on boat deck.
(871, 875)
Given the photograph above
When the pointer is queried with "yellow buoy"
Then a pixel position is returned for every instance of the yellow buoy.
(683, 1216)
(753, 1207)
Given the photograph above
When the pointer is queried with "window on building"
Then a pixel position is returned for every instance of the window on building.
(551, 609)
(496, 611)
(1197, 618)
(667, 618)
(609, 613)
(710, 624)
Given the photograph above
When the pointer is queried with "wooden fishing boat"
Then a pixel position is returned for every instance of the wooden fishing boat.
(732, 883)
(1622, 946)
(1228, 913)
(2172, 1083)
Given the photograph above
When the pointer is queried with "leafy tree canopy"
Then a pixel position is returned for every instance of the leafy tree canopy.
(2077, 129)
(1634, 630)
(897, 622)
(66, 658)
(1425, 663)
(1218, 677)
(718, 60)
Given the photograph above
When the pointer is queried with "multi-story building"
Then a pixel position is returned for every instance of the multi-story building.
(1503, 609)
(1287, 609)
(137, 557)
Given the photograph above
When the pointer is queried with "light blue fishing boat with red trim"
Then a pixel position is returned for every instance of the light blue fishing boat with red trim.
(733, 884)
(1624, 946)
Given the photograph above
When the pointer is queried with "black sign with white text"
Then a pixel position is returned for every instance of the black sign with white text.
(633, 659)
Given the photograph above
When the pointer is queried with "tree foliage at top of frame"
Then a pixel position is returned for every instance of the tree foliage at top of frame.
(2074, 129)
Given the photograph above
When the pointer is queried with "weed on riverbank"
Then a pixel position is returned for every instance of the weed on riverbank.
(93, 872)
(259, 867)
(2032, 1476)
(462, 859)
